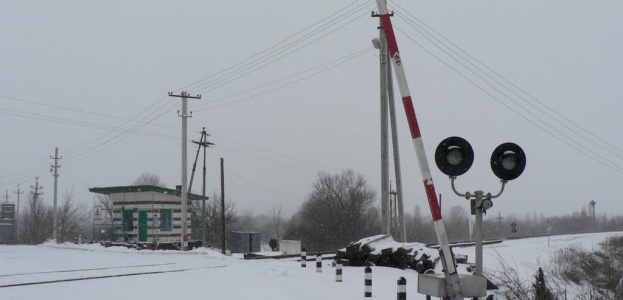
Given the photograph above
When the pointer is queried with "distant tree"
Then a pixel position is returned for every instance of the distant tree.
(457, 224)
(419, 227)
(340, 209)
(277, 222)
(36, 221)
(213, 220)
(148, 179)
(72, 217)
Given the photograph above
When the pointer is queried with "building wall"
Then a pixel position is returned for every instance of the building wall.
(152, 203)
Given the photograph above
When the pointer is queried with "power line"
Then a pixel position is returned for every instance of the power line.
(567, 138)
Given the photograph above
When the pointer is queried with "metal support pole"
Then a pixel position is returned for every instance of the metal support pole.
(478, 233)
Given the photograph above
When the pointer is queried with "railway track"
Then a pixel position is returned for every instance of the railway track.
(27, 279)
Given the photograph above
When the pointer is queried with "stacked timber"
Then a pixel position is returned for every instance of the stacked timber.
(382, 250)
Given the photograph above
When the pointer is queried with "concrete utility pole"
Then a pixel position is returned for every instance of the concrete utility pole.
(203, 142)
(17, 213)
(223, 246)
(381, 44)
(36, 193)
(402, 230)
(184, 192)
(387, 98)
(55, 166)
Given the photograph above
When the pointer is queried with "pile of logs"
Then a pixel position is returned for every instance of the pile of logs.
(382, 250)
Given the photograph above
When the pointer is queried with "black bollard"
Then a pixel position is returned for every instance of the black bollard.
(402, 289)
(318, 263)
(338, 271)
(368, 282)
(303, 258)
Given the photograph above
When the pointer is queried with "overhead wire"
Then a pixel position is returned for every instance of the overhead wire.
(277, 55)
(243, 64)
(123, 131)
(292, 79)
(506, 81)
(567, 138)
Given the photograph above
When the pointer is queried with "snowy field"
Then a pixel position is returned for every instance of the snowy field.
(98, 273)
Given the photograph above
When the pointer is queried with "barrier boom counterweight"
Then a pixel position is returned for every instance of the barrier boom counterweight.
(452, 279)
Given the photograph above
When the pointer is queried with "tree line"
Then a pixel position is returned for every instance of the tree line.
(341, 208)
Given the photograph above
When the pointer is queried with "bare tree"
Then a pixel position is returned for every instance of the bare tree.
(340, 209)
(148, 179)
(213, 219)
(72, 217)
(37, 220)
(277, 222)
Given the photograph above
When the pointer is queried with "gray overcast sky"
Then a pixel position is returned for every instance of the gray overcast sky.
(290, 88)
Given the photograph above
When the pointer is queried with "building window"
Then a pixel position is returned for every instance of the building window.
(127, 223)
(166, 220)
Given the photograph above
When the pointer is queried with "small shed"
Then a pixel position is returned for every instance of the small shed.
(244, 242)
(146, 213)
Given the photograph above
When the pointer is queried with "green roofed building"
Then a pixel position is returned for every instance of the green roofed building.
(147, 213)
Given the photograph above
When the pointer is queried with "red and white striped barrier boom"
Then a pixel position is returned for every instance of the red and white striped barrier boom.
(452, 279)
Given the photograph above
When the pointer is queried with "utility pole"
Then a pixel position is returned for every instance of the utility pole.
(184, 192)
(35, 210)
(17, 213)
(55, 166)
(6, 197)
(387, 98)
(36, 193)
(402, 229)
(203, 142)
(381, 44)
(223, 246)
(453, 286)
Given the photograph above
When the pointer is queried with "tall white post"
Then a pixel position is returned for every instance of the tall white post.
(55, 212)
(184, 195)
(184, 190)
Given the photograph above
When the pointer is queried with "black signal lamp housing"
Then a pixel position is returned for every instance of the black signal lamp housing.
(454, 156)
(508, 161)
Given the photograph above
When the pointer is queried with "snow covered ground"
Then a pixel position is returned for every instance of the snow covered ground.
(40, 272)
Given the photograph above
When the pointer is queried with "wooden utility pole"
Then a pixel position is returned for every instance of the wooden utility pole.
(184, 193)
(223, 245)
(55, 167)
